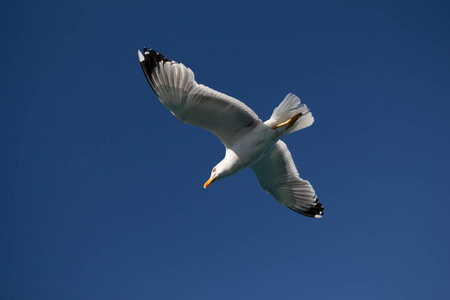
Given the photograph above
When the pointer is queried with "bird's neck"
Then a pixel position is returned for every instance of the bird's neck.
(231, 163)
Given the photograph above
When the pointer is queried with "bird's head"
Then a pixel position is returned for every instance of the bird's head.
(214, 176)
(228, 166)
(221, 170)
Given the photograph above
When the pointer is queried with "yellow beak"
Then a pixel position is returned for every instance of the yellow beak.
(209, 181)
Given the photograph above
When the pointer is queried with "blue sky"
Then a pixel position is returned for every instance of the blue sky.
(102, 188)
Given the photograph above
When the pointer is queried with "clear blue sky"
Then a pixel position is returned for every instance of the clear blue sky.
(102, 188)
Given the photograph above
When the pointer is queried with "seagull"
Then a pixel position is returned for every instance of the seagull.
(249, 142)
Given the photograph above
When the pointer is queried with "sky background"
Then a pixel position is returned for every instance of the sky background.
(102, 188)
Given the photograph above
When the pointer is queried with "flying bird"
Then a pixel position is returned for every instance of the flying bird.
(249, 142)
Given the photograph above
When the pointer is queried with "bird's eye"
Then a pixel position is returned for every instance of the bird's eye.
(214, 170)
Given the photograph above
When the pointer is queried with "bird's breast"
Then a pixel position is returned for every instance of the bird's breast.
(254, 145)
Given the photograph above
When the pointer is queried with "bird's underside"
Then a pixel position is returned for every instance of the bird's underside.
(232, 122)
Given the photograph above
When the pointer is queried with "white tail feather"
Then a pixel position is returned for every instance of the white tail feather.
(288, 108)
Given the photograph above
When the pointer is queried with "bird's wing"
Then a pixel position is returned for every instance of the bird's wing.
(196, 104)
(278, 176)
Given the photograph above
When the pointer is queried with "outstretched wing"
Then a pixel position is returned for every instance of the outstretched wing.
(196, 104)
(278, 176)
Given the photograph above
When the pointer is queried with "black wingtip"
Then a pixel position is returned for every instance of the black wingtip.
(317, 210)
(149, 61)
(152, 58)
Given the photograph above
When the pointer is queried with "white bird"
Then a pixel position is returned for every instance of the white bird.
(249, 142)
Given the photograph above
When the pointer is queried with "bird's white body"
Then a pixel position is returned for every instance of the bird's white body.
(237, 157)
(249, 142)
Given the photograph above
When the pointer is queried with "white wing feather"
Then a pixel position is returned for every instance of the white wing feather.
(278, 176)
(192, 103)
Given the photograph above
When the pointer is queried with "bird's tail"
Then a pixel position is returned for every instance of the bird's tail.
(290, 116)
